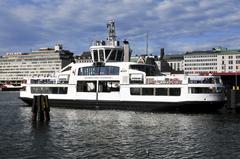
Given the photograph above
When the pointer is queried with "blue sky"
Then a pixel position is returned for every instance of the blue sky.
(176, 25)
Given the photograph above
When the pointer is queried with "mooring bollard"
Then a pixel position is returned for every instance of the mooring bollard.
(40, 108)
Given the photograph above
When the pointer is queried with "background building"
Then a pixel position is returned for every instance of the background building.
(176, 62)
(220, 60)
(165, 63)
(84, 57)
(43, 62)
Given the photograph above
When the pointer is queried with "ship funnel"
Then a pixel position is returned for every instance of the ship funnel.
(127, 53)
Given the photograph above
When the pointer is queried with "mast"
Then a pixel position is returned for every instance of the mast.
(147, 44)
(112, 38)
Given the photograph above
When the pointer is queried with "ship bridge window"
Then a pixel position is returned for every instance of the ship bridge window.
(150, 70)
(119, 55)
(107, 51)
(98, 70)
(101, 55)
(95, 55)
(112, 56)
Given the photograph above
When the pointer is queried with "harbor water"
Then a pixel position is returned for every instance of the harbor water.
(76, 133)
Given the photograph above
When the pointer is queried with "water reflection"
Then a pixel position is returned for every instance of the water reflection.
(74, 133)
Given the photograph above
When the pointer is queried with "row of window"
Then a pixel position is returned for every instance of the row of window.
(103, 86)
(197, 72)
(156, 91)
(43, 81)
(107, 86)
(175, 66)
(201, 68)
(205, 90)
(49, 60)
(204, 80)
(200, 64)
(98, 70)
(49, 90)
(111, 55)
(200, 56)
(53, 69)
(200, 60)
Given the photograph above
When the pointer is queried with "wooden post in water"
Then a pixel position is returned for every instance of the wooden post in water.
(233, 99)
(34, 109)
(46, 109)
(40, 108)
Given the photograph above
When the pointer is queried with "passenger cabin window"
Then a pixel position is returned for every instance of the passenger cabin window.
(108, 86)
(63, 79)
(147, 91)
(135, 91)
(205, 90)
(86, 86)
(103, 86)
(43, 81)
(174, 91)
(98, 70)
(49, 90)
(204, 81)
(161, 91)
(155, 91)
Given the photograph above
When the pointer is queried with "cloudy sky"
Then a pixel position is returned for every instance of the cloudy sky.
(176, 25)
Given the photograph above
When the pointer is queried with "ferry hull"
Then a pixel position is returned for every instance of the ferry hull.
(11, 89)
(194, 106)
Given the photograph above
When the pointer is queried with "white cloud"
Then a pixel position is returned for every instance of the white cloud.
(75, 22)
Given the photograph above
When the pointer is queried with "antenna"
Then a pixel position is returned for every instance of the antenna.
(147, 44)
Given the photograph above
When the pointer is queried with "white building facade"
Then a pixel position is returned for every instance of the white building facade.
(214, 61)
(43, 62)
(176, 62)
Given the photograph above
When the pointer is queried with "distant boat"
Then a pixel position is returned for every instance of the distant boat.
(10, 87)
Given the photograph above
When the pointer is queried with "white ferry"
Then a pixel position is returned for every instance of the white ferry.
(112, 82)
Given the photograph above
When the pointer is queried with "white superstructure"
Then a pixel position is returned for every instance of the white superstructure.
(112, 82)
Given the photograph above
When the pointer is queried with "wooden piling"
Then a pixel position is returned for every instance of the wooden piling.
(40, 108)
